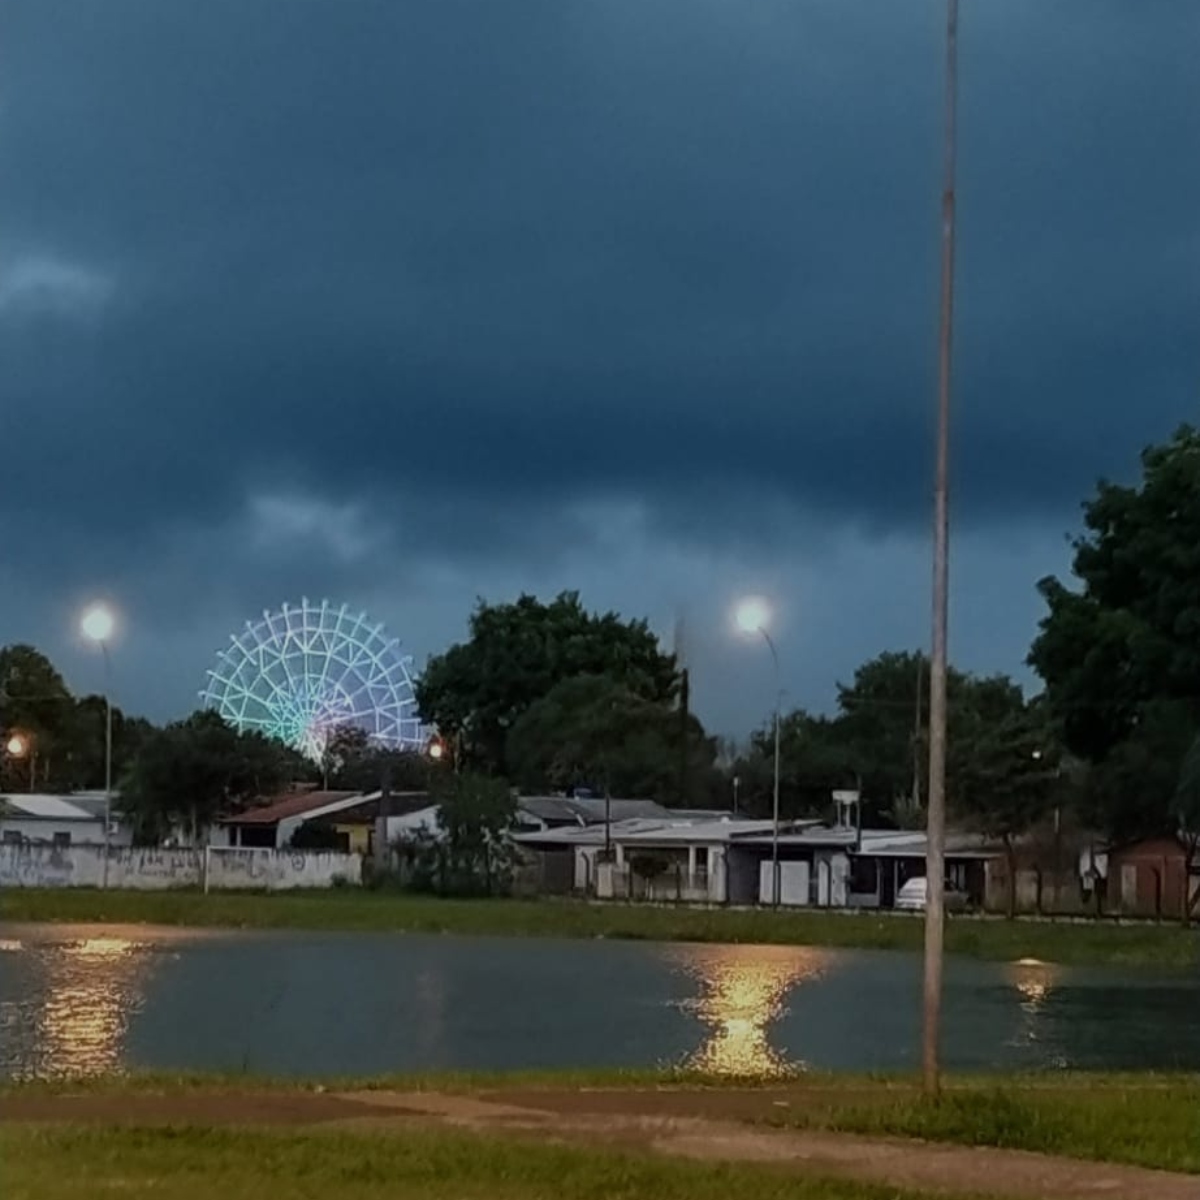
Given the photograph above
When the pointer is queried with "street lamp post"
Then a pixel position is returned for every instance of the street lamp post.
(752, 616)
(935, 848)
(97, 626)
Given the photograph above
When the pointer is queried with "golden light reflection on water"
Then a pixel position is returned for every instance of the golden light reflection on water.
(80, 1007)
(1035, 982)
(743, 991)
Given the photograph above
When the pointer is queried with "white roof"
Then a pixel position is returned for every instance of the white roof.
(703, 831)
(882, 841)
(654, 832)
(45, 808)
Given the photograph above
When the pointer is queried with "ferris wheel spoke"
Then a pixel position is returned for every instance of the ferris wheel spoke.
(300, 672)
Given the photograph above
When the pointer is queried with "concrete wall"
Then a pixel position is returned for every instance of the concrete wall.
(278, 870)
(150, 869)
(40, 829)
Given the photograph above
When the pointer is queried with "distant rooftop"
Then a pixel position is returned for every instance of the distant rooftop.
(297, 804)
(589, 810)
(39, 807)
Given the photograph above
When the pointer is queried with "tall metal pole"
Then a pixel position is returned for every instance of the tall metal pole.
(917, 739)
(935, 870)
(775, 786)
(107, 755)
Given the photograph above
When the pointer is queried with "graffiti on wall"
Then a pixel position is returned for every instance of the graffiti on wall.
(148, 869)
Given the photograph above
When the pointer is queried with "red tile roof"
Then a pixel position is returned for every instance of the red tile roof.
(282, 807)
(366, 811)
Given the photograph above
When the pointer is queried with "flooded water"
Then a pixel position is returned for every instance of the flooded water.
(75, 1001)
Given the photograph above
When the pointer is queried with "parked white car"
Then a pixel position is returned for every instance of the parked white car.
(911, 897)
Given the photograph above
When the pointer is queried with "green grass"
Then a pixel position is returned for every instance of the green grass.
(1143, 1119)
(64, 1163)
(668, 1079)
(1151, 1123)
(1134, 945)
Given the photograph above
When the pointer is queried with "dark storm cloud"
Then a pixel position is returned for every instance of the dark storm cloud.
(468, 263)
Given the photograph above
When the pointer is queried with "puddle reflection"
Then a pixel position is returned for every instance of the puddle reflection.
(74, 1016)
(1035, 982)
(743, 991)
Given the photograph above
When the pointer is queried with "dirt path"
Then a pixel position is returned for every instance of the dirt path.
(707, 1125)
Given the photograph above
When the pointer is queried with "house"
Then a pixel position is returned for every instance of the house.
(272, 824)
(558, 812)
(58, 820)
(352, 827)
(698, 859)
(1151, 878)
(676, 857)
(416, 813)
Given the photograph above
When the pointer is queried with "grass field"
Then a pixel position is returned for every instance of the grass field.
(1138, 945)
(1146, 1120)
(55, 1163)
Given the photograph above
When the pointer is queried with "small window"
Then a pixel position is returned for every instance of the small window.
(62, 838)
(12, 837)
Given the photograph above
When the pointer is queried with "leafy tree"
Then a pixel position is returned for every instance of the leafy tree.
(1006, 777)
(195, 771)
(594, 731)
(86, 755)
(882, 715)
(1128, 793)
(344, 747)
(472, 853)
(66, 737)
(1120, 653)
(35, 700)
(883, 723)
(813, 760)
(353, 763)
(876, 741)
(516, 653)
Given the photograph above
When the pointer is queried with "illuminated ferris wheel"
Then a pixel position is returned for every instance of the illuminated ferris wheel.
(300, 674)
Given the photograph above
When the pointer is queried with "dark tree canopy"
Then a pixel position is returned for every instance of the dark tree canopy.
(472, 853)
(516, 653)
(64, 736)
(1120, 652)
(876, 740)
(196, 770)
(594, 731)
(36, 703)
(353, 763)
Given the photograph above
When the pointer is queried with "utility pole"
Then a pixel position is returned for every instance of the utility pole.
(935, 852)
(918, 740)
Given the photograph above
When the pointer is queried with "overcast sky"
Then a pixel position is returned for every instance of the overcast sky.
(407, 302)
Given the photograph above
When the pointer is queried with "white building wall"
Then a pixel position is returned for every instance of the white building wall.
(148, 869)
(40, 829)
(424, 820)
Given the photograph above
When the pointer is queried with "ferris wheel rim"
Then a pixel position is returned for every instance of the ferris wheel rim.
(300, 672)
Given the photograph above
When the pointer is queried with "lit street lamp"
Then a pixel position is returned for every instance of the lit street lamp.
(752, 616)
(97, 625)
(20, 745)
